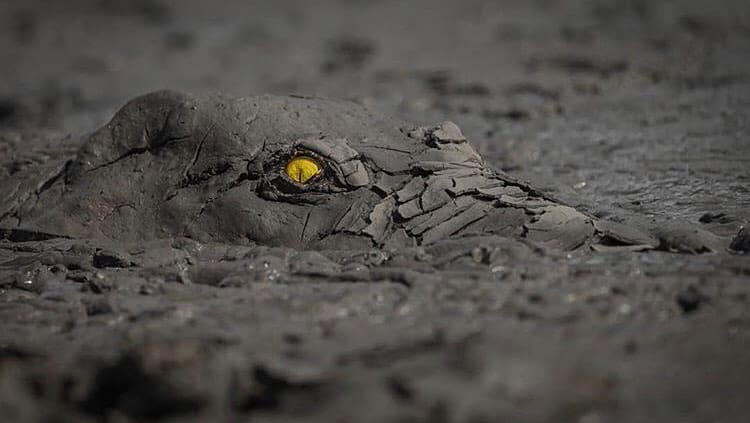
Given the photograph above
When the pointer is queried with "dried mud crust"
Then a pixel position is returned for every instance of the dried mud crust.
(213, 168)
(625, 110)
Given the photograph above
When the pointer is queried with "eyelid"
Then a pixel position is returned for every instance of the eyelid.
(335, 149)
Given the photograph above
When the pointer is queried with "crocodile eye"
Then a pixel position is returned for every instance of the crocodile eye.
(302, 169)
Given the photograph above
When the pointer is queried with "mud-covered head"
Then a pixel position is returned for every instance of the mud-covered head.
(287, 171)
(273, 170)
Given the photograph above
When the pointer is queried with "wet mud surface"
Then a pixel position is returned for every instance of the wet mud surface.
(628, 111)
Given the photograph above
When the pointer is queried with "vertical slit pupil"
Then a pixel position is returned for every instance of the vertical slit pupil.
(302, 168)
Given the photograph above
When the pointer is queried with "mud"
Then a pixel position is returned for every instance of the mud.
(629, 112)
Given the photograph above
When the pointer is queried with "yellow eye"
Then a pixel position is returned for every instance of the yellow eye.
(302, 168)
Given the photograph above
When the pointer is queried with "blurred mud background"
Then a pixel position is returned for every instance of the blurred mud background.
(627, 109)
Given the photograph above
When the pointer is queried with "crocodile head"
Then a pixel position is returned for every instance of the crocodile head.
(292, 171)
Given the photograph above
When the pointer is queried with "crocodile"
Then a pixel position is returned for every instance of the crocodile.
(291, 171)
